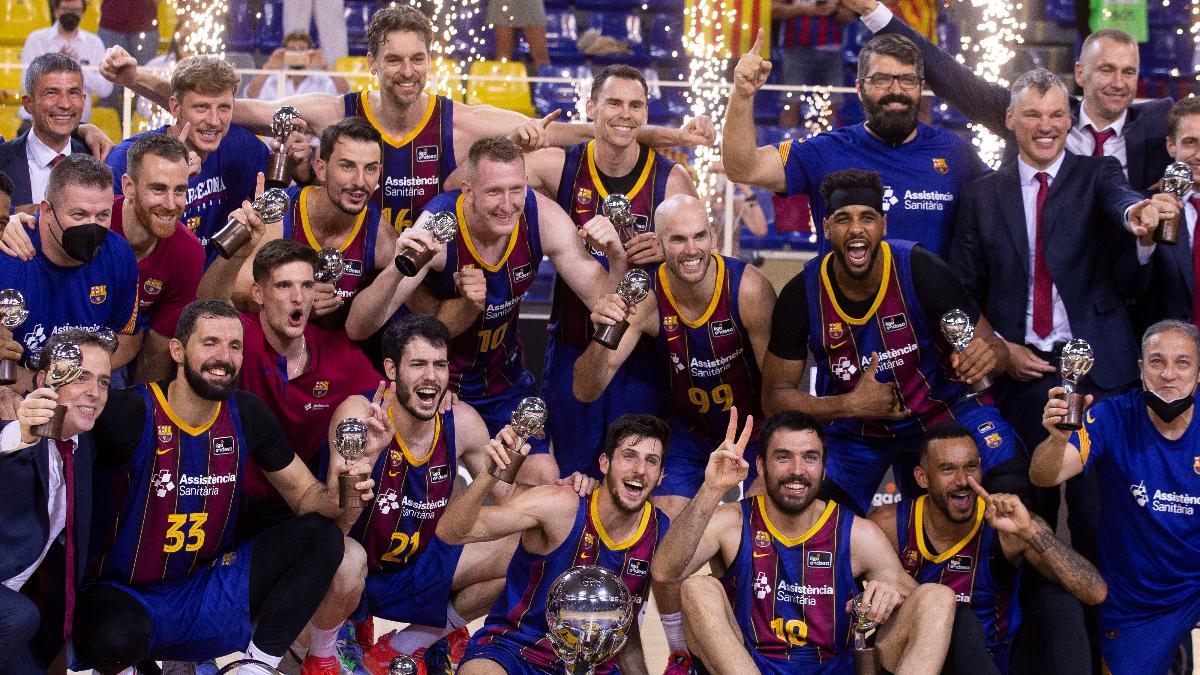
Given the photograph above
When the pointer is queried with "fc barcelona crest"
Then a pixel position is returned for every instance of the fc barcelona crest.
(98, 294)
(588, 540)
(910, 559)
(836, 330)
(761, 539)
(1196, 464)
(940, 166)
(583, 197)
(165, 434)
(320, 388)
(152, 286)
(993, 440)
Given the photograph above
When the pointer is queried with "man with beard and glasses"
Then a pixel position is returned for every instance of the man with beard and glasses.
(867, 315)
(615, 528)
(78, 276)
(974, 542)
(170, 579)
(1144, 448)
(923, 167)
(426, 135)
(786, 567)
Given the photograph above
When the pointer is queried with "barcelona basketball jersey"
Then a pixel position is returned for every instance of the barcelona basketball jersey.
(415, 166)
(411, 495)
(175, 501)
(896, 327)
(357, 249)
(486, 358)
(713, 366)
(789, 595)
(966, 568)
(581, 193)
(518, 619)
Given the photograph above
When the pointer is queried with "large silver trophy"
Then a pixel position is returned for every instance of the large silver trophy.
(633, 289)
(588, 611)
(277, 174)
(619, 210)
(402, 665)
(330, 266)
(65, 366)
(1177, 180)
(12, 314)
(866, 654)
(270, 206)
(350, 441)
(1076, 360)
(959, 331)
(444, 226)
(527, 420)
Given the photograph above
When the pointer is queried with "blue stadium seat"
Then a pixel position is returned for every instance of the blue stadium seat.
(562, 34)
(548, 96)
(270, 27)
(1168, 51)
(665, 37)
(241, 28)
(673, 6)
(949, 35)
(558, 4)
(463, 42)
(1062, 11)
(622, 26)
(606, 5)
(358, 17)
(1177, 13)
(667, 105)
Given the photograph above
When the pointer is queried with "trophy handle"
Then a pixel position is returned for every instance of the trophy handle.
(8, 372)
(1073, 419)
(54, 428)
(1167, 231)
(609, 335)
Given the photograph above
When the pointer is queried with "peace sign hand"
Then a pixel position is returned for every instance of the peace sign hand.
(531, 135)
(727, 465)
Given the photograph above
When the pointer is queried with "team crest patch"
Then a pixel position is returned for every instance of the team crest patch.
(940, 165)
(583, 197)
(152, 286)
(836, 330)
(228, 558)
(762, 539)
(721, 328)
(910, 559)
(960, 563)
(671, 322)
(320, 388)
(166, 433)
(993, 440)
(98, 294)
(822, 559)
(439, 473)
(1196, 464)
(429, 153)
(588, 540)
(222, 445)
(637, 567)
(895, 322)
(986, 427)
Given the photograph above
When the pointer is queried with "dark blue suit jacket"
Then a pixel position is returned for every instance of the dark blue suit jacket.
(14, 163)
(1169, 293)
(1091, 256)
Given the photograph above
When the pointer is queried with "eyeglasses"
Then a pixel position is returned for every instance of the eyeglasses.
(884, 81)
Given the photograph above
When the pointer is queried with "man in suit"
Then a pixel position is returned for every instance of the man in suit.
(1106, 120)
(47, 494)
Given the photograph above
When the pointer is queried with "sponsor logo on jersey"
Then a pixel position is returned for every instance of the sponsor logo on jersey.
(721, 328)
(166, 432)
(940, 165)
(522, 273)
(1180, 503)
(222, 445)
(98, 294)
(429, 153)
(352, 267)
(836, 330)
(895, 322)
(321, 388)
(820, 559)
(993, 440)
(986, 427)
(676, 363)
(387, 501)
(960, 563)
(583, 197)
(152, 286)
(762, 539)
(844, 369)
(638, 568)
(162, 483)
(641, 224)
(889, 198)
(762, 586)
(1139, 493)
(438, 473)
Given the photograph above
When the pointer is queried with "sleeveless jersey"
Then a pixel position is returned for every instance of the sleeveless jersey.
(965, 567)
(176, 504)
(713, 366)
(415, 166)
(581, 194)
(411, 497)
(486, 359)
(357, 249)
(789, 595)
(518, 618)
(896, 327)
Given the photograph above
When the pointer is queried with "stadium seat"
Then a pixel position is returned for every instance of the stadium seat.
(138, 125)
(358, 76)
(562, 34)
(91, 17)
(665, 37)
(19, 18)
(358, 17)
(108, 120)
(1168, 51)
(510, 95)
(1173, 14)
(1062, 11)
(623, 26)
(667, 105)
(9, 122)
(241, 28)
(605, 5)
(548, 96)
(10, 78)
(269, 34)
(166, 24)
(671, 6)
(468, 29)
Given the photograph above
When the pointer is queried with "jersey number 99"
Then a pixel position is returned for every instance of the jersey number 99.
(722, 395)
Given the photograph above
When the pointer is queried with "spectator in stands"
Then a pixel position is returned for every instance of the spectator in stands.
(131, 24)
(296, 55)
(528, 15)
(330, 17)
(67, 38)
(809, 36)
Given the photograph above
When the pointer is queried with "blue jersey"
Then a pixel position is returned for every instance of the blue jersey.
(921, 178)
(228, 176)
(1150, 499)
(99, 295)
(357, 248)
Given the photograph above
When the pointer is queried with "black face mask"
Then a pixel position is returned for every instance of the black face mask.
(1168, 411)
(69, 21)
(81, 242)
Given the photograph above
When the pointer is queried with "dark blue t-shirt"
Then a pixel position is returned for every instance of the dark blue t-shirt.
(921, 178)
(102, 294)
(227, 177)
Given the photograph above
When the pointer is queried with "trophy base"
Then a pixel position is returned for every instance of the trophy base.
(609, 335)
(348, 495)
(409, 263)
(54, 428)
(8, 372)
(866, 661)
(1073, 419)
(277, 175)
(231, 239)
(509, 473)
(1167, 231)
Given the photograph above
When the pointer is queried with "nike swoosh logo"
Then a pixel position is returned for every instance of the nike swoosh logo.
(759, 555)
(835, 346)
(163, 452)
(1090, 420)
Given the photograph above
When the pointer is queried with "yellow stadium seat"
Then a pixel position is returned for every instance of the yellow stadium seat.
(91, 17)
(138, 125)
(508, 94)
(166, 24)
(9, 121)
(109, 122)
(19, 18)
(358, 76)
(10, 78)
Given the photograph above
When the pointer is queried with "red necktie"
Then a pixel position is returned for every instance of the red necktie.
(66, 449)
(1195, 202)
(54, 162)
(1043, 301)
(1101, 137)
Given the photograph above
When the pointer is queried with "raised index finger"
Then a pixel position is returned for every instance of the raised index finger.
(977, 487)
(758, 40)
(551, 117)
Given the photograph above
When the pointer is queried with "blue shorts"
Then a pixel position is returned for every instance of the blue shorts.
(577, 429)
(857, 464)
(418, 593)
(842, 664)
(203, 616)
(497, 410)
(683, 467)
(1149, 647)
(509, 658)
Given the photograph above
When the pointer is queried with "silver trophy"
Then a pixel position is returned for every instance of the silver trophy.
(959, 331)
(12, 314)
(444, 226)
(277, 175)
(247, 667)
(633, 289)
(619, 210)
(330, 266)
(527, 420)
(866, 654)
(588, 611)
(402, 665)
(350, 441)
(65, 366)
(270, 206)
(1177, 180)
(1076, 360)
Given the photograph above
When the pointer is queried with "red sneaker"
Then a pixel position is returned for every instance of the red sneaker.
(379, 657)
(364, 633)
(458, 644)
(320, 665)
(679, 663)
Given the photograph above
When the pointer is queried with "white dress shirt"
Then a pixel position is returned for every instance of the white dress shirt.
(1029, 190)
(89, 51)
(40, 158)
(56, 505)
(1081, 142)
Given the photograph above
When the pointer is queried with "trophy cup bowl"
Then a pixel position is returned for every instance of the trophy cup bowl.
(1177, 180)
(330, 266)
(959, 331)
(633, 289)
(270, 206)
(402, 665)
(12, 314)
(444, 226)
(619, 210)
(588, 612)
(66, 365)
(350, 441)
(866, 654)
(527, 420)
(1076, 360)
(277, 174)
